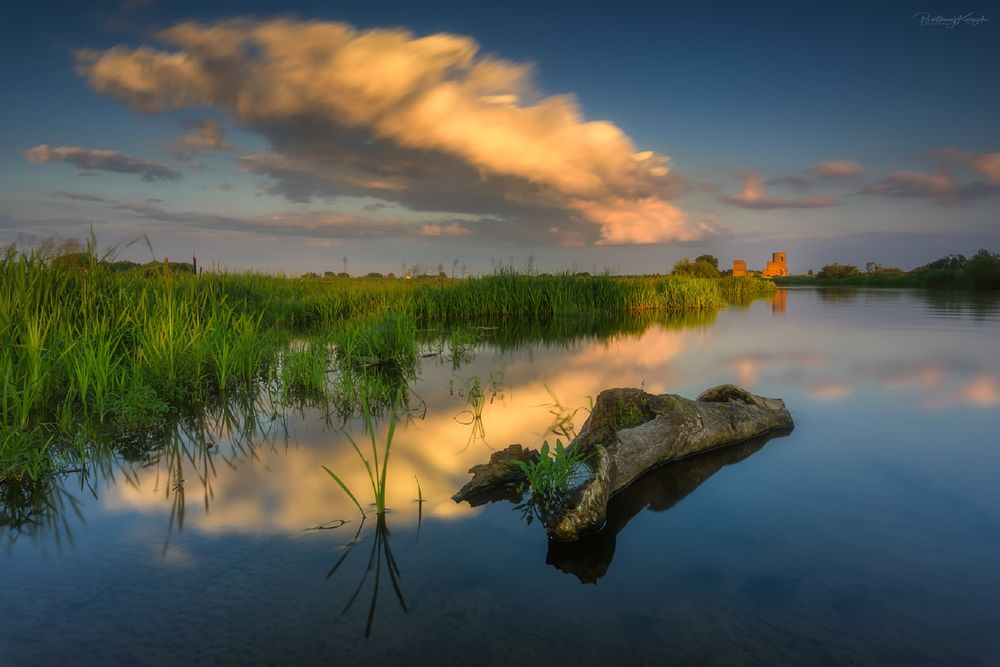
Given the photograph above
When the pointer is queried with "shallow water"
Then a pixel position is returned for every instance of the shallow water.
(869, 535)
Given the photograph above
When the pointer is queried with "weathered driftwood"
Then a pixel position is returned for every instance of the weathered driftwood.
(628, 433)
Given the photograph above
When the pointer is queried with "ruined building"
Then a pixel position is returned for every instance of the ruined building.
(776, 267)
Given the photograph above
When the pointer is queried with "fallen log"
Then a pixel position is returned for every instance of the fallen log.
(628, 433)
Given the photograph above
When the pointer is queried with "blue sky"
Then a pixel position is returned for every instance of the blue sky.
(837, 134)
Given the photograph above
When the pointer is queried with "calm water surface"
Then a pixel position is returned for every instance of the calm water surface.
(869, 535)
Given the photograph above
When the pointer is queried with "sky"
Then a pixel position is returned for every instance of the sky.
(583, 136)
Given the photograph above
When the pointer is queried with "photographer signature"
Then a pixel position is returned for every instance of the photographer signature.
(970, 19)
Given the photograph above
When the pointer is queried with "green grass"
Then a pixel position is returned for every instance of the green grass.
(548, 479)
(87, 346)
(378, 466)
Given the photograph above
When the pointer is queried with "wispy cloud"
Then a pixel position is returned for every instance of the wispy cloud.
(939, 185)
(205, 135)
(322, 225)
(430, 102)
(752, 196)
(435, 229)
(836, 168)
(827, 171)
(985, 164)
(78, 196)
(942, 186)
(105, 160)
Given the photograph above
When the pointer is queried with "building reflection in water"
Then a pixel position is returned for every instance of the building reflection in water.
(779, 302)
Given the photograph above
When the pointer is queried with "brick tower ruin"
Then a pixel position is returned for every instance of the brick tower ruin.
(777, 266)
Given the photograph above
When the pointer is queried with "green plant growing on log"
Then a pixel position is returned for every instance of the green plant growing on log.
(549, 478)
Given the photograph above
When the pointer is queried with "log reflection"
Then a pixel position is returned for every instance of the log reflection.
(658, 490)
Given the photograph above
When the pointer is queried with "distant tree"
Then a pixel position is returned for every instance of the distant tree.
(343, 274)
(696, 269)
(838, 271)
(376, 274)
(809, 272)
(983, 269)
(710, 259)
(329, 274)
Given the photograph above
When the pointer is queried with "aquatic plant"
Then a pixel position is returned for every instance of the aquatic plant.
(376, 471)
(550, 477)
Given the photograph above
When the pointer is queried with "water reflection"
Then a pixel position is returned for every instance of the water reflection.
(379, 557)
(658, 491)
(476, 392)
(895, 504)
(39, 510)
(254, 465)
(779, 302)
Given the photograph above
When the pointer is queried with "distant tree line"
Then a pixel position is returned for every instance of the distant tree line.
(981, 271)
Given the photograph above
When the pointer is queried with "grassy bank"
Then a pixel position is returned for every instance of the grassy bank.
(89, 351)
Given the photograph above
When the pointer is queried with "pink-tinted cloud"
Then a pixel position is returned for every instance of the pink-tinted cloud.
(836, 168)
(986, 164)
(435, 229)
(940, 185)
(105, 160)
(434, 94)
(820, 173)
(753, 196)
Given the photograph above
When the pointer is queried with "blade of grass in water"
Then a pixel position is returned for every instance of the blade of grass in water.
(346, 490)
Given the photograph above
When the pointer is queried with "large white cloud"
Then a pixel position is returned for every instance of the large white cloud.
(435, 94)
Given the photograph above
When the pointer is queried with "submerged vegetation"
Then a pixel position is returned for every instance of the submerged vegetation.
(93, 350)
